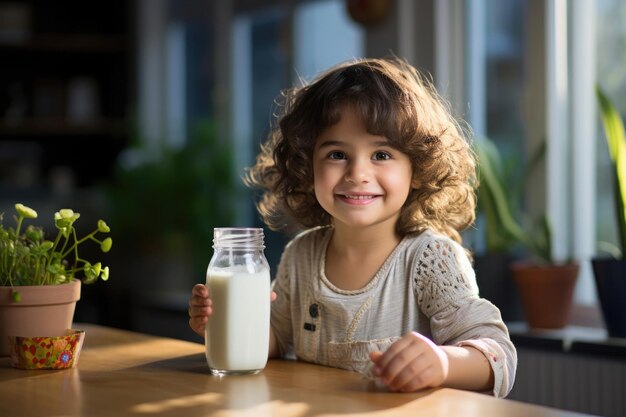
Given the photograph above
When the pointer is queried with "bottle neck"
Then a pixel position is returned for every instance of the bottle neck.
(238, 238)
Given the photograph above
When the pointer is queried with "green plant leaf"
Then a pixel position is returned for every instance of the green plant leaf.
(502, 228)
(616, 141)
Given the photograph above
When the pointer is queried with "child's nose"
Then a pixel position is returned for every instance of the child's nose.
(358, 171)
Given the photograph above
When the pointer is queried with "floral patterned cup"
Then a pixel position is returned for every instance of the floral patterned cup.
(60, 352)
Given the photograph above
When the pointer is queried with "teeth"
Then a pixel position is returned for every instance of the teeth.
(359, 197)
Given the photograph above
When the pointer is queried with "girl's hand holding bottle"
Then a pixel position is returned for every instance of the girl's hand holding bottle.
(200, 308)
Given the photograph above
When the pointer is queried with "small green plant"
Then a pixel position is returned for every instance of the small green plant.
(503, 229)
(27, 258)
(616, 141)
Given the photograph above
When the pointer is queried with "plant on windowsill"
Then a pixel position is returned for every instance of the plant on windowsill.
(542, 284)
(43, 277)
(610, 273)
(496, 200)
(501, 232)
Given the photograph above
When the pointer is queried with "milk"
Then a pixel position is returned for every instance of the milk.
(237, 333)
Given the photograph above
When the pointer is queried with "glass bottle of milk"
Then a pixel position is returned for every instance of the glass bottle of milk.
(238, 278)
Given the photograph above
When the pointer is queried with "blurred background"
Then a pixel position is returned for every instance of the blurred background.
(146, 112)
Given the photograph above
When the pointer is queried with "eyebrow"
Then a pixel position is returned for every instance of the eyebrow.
(330, 142)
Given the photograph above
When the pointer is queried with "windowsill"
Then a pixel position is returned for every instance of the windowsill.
(570, 339)
(585, 334)
(587, 316)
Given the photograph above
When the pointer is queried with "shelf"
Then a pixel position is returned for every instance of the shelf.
(67, 89)
(57, 127)
(91, 44)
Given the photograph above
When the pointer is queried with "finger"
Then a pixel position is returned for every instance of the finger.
(198, 305)
(425, 379)
(196, 301)
(198, 325)
(200, 290)
(374, 369)
(199, 295)
(198, 322)
(399, 355)
(427, 369)
(273, 296)
(388, 356)
(199, 313)
(375, 356)
(395, 373)
(413, 376)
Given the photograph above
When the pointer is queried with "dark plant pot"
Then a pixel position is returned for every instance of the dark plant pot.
(495, 283)
(610, 277)
(547, 293)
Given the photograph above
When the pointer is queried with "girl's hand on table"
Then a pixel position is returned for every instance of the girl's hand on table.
(410, 364)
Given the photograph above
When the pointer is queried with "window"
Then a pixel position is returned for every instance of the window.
(264, 63)
(522, 73)
(324, 36)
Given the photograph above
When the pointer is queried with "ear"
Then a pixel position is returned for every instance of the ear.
(415, 184)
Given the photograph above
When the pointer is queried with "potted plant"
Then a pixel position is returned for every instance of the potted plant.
(545, 288)
(501, 232)
(40, 279)
(610, 273)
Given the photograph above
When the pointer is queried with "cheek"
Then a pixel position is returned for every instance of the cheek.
(323, 188)
(320, 181)
(399, 180)
(324, 176)
(323, 192)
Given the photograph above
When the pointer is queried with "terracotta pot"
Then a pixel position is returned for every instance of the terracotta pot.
(547, 292)
(44, 310)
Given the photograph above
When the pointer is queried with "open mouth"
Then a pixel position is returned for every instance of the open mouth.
(358, 199)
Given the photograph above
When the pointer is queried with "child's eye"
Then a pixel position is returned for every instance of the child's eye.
(336, 155)
(381, 156)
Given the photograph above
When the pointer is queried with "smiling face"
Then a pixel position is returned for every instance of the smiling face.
(359, 179)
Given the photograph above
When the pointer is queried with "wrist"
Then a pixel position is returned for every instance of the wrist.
(468, 369)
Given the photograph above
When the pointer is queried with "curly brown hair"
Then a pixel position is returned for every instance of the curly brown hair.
(393, 100)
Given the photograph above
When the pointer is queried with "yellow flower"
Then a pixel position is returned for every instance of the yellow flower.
(106, 244)
(102, 227)
(26, 212)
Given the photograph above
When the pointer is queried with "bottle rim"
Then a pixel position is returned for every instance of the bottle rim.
(242, 229)
(238, 237)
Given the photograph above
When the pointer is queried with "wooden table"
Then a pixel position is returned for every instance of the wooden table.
(122, 373)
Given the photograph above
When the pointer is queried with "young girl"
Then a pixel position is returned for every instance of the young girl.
(370, 161)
